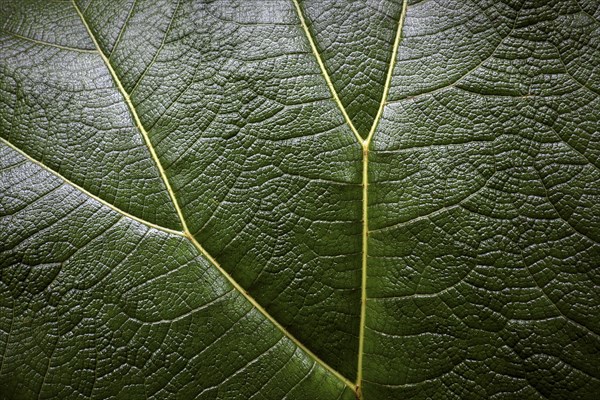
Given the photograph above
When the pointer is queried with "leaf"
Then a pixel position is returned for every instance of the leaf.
(299, 199)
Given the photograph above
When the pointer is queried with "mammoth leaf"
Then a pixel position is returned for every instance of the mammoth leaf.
(299, 199)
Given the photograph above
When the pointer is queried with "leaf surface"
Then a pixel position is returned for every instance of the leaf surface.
(299, 199)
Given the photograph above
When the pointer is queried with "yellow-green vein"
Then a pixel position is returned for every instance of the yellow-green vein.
(135, 117)
(324, 72)
(390, 73)
(44, 43)
(88, 193)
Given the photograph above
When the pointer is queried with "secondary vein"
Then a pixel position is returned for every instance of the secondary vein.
(136, 118)
(390, 73)
(324, 72)
(187, 233)
(44, 43)
(88, 193)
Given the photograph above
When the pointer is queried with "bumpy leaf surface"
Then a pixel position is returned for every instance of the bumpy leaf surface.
(299, 199)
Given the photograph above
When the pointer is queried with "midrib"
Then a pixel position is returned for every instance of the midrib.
(365, 144)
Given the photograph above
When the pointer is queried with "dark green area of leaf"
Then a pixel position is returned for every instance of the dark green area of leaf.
(186, 190)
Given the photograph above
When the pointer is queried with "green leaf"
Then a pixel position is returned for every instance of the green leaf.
(299, 199)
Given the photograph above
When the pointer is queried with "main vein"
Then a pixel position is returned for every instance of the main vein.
(175, 202)
(365, 198)
(364, 143)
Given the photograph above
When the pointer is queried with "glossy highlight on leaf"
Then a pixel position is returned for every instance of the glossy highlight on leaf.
(299, 199)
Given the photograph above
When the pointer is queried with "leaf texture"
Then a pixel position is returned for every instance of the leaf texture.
(294, 199)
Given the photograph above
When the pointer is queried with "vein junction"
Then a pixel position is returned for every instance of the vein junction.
(365, 144)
